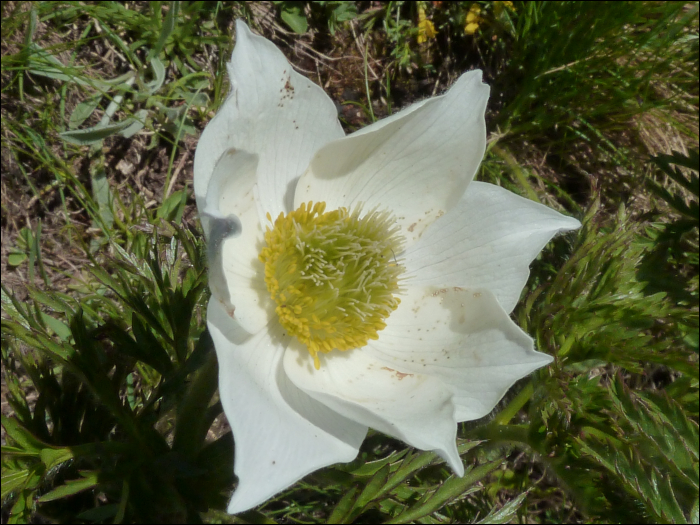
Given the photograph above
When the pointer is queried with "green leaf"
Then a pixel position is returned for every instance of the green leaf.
(83, 110)
(197, 99)
(25, 239)
(13, 479)
(43, 63)
(506, 513)
(373, 488)
(16, 258)
(52, 457)
(669, 505)
(176, 121)
(99, 514)
(450, 490)
(372, 467)
(166, 29)
(58, 327)
(256, 517)
(56, 301)
(663, 431)
(192, 425)
(89, 136)
(90, 480)
(344, 507)
(159, 75)
(293, 15)
(31, 27)
(645, 475)
(101, 193)
(344, 12)
(149, 349)
(22, 436)
(173, 207)
(137, 124)
(691, 162)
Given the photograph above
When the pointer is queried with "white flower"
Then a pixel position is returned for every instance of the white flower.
(457, 263)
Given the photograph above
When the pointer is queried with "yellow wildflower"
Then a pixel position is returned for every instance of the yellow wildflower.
(473, 19)
(426, 28)
(499, 6)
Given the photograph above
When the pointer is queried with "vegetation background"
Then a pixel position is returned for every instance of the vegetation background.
(109, 403)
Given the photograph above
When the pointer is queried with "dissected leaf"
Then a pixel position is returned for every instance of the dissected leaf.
(506, 513)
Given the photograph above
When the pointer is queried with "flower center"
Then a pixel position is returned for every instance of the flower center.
(333, 275)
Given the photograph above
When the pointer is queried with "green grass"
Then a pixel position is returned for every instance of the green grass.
(110, 410)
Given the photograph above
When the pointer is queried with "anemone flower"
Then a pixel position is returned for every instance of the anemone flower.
(357, 281)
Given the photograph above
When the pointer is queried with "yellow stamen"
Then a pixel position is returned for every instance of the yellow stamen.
(333, 275)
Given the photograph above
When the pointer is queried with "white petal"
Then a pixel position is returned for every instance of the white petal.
(417, 164)
(413, 407)
(230, 216)
(272, 112)
(462, 337)
(280, 433)
(487, 241)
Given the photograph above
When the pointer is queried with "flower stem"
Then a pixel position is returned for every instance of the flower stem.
(518, 402)
(492, 433)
